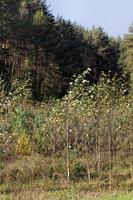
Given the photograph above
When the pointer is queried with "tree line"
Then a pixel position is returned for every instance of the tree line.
(46, 51)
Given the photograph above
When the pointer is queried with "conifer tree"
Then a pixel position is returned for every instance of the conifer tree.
(127, 56)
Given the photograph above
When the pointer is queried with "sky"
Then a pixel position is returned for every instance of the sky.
(114, 16)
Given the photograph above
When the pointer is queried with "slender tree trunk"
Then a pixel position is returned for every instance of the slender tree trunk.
(89, 172)
(99, 155)
(68, 158)
(131, 164)
(110, 171)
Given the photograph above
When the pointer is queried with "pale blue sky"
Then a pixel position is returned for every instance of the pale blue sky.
(115, 16)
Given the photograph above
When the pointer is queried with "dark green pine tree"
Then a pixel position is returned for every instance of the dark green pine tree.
(102, 53)
(46, 74)
(8, 28)
(127, 56)
(25, 40)
(68, 49)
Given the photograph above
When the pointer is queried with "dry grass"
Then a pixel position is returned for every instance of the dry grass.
(66, 195)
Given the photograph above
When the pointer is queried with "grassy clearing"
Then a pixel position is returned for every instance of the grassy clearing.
(65, 195)
(43, 191)
(122, 196)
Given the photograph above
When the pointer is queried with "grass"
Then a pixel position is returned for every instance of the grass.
(39, 191)
(72, 195)
(65, 195)
(122, 196)
(4, 197)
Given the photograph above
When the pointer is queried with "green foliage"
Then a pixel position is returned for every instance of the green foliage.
(102, 54)
(79, 171)
(87, 132)
(127, 55)
(20, 91)
(49, 52)
(106, 88)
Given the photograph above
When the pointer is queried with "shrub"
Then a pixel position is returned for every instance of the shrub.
(24, 146)
(79, 170)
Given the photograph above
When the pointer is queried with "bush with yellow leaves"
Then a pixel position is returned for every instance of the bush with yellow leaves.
(24, 146)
